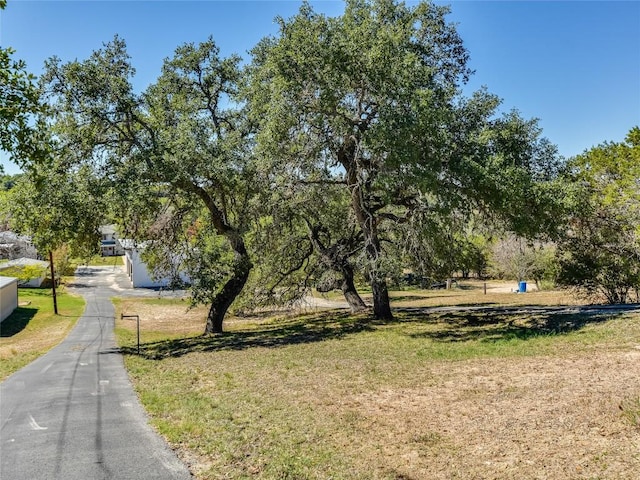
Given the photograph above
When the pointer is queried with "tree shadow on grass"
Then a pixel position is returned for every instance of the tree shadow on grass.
(408, 297)
(293, 331)
(17, 321)
(488, 325)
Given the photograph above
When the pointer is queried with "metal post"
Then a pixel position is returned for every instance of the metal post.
(485, 288)
(53, 283)
(138, 329)
(137, 317)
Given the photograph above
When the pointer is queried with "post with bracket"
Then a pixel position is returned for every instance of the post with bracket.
(137, 317)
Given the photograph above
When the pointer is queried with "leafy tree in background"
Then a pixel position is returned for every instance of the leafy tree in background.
(7, 182)
(371, 100)
(600, 253)
(517, 258)
(55, 207)
(474, 255)
(184, 138)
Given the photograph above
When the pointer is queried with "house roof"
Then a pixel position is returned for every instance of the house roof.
(23, 262)
(108, 229)
(4, 281)
(131, 244)
(9, 236)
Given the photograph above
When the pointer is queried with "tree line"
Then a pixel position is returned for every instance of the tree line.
(343, 152)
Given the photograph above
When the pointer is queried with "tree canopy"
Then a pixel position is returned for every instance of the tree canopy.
(600, 252)
(56, 207)
(20, 134)
(344, 150)
(182, 143)
(371, 100)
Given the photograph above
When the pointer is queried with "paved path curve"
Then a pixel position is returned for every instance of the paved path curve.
(72, 414)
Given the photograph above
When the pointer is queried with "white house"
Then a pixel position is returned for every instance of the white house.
(38, 269)
(138, 271)
(109, 245)
(8, 296)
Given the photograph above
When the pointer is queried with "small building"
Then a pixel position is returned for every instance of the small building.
(109, 245)
(8, 296)
(29, 271)
(138, 271)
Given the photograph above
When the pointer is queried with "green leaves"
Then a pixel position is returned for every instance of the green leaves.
(345, 141)
(21, 134)
(55, 207)
(371, 98)
(179, 148)
(601, 249)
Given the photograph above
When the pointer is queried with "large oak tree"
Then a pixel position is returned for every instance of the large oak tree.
(180, 147)
(371, 100)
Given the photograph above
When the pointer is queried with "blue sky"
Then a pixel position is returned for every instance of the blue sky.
(575, 65)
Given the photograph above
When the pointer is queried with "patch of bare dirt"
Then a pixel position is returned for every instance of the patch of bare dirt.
(531, 418)
(173, 319)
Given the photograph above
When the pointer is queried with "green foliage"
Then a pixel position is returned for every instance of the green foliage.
(62, 261)
(303, 243)
(474, 255)
(175, 155)
(345, 148)
(21, 136)
(55, 207)
(7, 182)
(183, 245)
(25, 273)
(600, 253)
(371, 99)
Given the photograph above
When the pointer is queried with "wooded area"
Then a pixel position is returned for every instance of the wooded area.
(342, 153)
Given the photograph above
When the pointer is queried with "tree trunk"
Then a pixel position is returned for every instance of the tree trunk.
(228, 294)
(241, 264)
(381, 303)
(356, 304)
(368, 222)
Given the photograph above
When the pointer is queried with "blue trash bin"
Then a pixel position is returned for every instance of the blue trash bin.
(522, 287)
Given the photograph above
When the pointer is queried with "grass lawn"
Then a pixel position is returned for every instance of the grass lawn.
(98, 261)
(447, 395)
(32, 329)
(471, 292)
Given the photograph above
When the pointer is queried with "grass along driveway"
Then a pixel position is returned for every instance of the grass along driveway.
(437, 396)
(32, 329)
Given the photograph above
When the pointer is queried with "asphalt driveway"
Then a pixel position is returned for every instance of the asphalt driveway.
(113, 281)
(72, 414)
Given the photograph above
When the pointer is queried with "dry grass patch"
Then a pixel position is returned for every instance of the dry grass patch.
(528, 418)
(167, 317)
(471, 292)
(469, 395)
